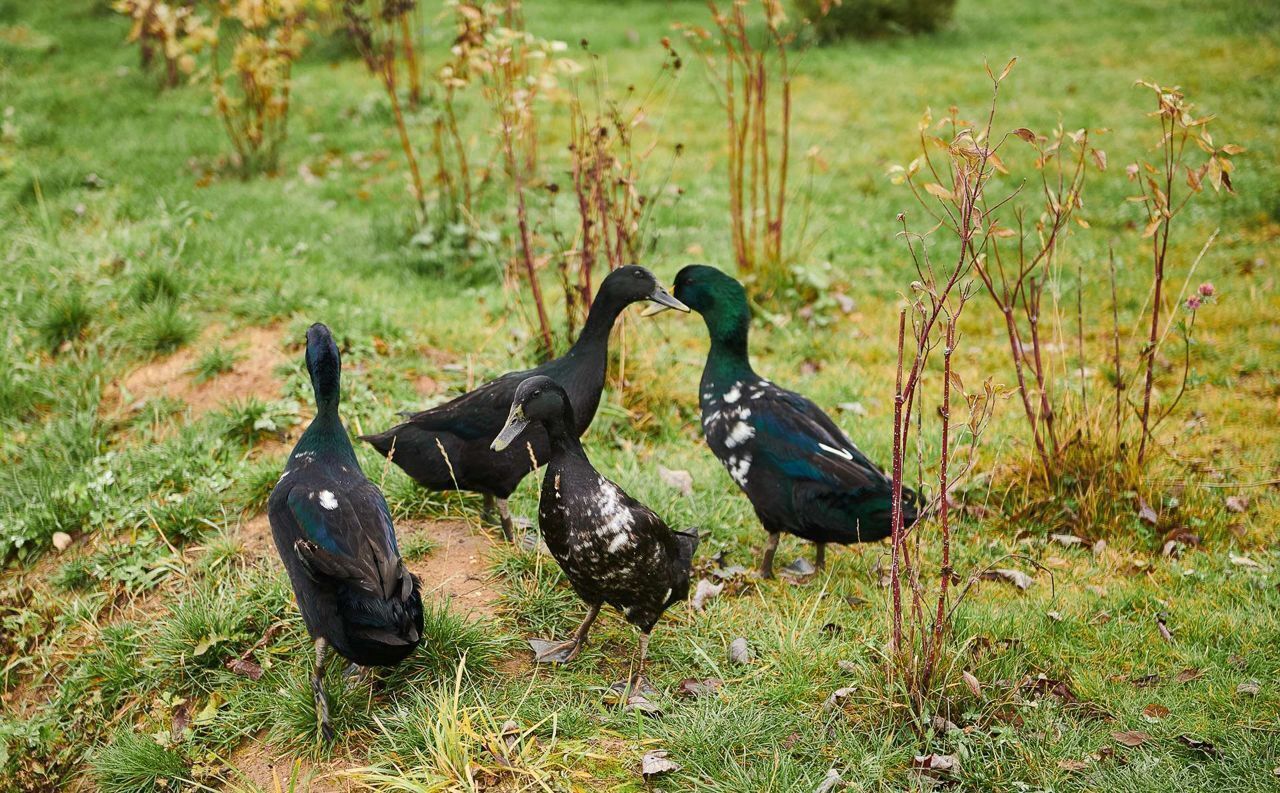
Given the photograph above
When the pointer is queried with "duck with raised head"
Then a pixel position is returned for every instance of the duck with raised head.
(612, 548)
(333, 532)
(447, 447)
(800, 471)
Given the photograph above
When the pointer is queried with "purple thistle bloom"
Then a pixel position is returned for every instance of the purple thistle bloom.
(1206, 289)
(1193, 302)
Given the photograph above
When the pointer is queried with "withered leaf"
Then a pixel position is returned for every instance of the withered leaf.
(1066, 540)
(1131, 738)
(680, 480)
(1197, 745)
(1025, 134)
(936, 764)
(705, 591)
(655, 762)
(800, 568)
(1145, 512)
(739, 652)
(1237, 503)
(837, 698)
(1073, 765)
(831, 782)
(1016, 577)
(1244, 561)
(1164, 629)
(1250, 688)
(1189, 674)
(245, 667)
(1154, 712)
(692, 688)
(975, 687)
(1145, 681)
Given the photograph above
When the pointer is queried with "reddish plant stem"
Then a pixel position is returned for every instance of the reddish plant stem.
(896, 509)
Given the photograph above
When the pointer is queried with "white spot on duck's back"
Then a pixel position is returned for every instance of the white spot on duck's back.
(614, 516)
(328, 500)
(739, 468)
(740, 434)
(734, 393)
(841, 453)
(619, 541)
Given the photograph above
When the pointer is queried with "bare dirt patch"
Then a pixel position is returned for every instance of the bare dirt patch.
(253, 374)
(457, 567)
(260, 766)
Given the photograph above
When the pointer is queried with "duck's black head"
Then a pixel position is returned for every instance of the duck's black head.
(538, 399)
(324, 364)
(719, 298)
(631, 284)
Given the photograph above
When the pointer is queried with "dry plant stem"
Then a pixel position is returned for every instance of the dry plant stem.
(411, 61)
(388, 68)
(944, 511)
(896, 510)
(526, 238)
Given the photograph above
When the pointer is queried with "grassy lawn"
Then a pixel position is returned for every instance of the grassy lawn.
(153, 307)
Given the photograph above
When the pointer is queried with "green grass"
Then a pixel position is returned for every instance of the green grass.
(117, 252)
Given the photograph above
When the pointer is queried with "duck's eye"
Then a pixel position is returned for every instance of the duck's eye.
(638, 274)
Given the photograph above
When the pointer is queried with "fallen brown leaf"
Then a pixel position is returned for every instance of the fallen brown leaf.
(1155, 712)
(1073, 765)
(1189, 674)
(739, 652)
(705, 591)
(657, 762)
(1131, 738)
(692, 688)
(975, 687)
(1016, 577)
(1197, 745)
(936, 764)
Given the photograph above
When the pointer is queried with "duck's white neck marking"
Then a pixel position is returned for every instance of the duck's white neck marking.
(328, 500)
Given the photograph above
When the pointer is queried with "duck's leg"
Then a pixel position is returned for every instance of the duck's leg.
(317, 692)
(566, 651)
(635, 684)
(820, 555)
(489, 510)
(766, 561)
(508, 525)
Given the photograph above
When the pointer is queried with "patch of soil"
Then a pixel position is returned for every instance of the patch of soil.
(260, 351)
(456, 567)
(254, 535)
(261, 766)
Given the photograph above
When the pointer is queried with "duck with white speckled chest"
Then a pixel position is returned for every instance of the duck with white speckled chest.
(612, 548)
(447, 447)
(334, 534)
(800, 471)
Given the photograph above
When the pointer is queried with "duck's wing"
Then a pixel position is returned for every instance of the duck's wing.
(348, 537)
(795, 435)
(476, 415)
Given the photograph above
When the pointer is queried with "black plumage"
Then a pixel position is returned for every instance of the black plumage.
(334, 534)
(447, 447)
(612, 548)
(799, 469)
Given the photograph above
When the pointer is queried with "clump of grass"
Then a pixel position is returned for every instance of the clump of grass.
(156, 411)
(202, 629)
(164, 328)
(251, 420)
(417, 546)
(154, 284)
(66, 318)
(291, 712)
(186, 516)
(255, 483)
(215, 361)
(134, 763)
(448, 638)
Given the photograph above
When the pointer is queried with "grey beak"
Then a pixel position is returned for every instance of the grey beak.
(516, 422)
(663, 300)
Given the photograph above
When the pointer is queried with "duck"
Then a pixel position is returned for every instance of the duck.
(612, 549)
(448, 447)
(800, 471)
(334, 534)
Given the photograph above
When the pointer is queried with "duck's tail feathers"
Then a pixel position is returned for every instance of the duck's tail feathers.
(384, 442)
(334, 568)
